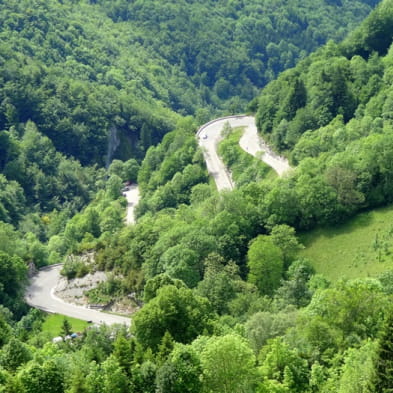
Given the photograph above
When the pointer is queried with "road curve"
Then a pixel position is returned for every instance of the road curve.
(209, 136)
(40, 294)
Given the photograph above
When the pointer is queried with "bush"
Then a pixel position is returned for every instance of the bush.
(74, 268)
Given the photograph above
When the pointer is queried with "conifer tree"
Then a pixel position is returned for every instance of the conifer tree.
(384, 363)
(124, 353)
(165, 348)
(66, 328)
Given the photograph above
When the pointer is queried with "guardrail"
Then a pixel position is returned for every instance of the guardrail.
(204, 126)
(201, 128)
(48, 267)
(96, 306)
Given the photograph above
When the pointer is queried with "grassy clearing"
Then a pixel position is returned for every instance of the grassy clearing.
(53, 323)
(362, 247)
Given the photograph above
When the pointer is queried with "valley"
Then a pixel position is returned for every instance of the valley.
(251, 253)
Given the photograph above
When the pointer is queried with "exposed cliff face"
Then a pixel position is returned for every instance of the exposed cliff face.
(113, 144)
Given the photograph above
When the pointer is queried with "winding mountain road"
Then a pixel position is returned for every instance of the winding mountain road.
(210, 135)
(40, 294)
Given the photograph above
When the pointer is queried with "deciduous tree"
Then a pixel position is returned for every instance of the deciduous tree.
(265, 263)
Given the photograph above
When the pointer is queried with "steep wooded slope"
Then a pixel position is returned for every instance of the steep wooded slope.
(332, 113)
(82, 70)
(253, 318)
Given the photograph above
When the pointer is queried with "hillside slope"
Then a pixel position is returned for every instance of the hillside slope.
(228, 305)
(332, 116)
(85, 70)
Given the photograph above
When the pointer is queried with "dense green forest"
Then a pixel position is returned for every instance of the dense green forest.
(100, 83)
(331, 114)
(95, 93)
(82, 70)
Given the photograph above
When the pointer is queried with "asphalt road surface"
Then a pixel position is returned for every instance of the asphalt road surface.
(210, 135)
(253, 144)
(132, 196)
(40, 294)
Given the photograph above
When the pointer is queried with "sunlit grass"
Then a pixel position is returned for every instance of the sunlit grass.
(362, 247)
(53, 323)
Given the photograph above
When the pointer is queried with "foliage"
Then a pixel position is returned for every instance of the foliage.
(77, 98)
(36, 378)
(170, 170)
(154, 284)
(73, 268)
(14, 354)
(332, 112)
(358, 371)
(31, 323)
(176, 310)
(11, 241)
(354, 307)
(127, 171)
(39, 177)
(295, 290)
(244, 167)
(181, 372)
(237, 360)
(97, 82)
(245, 45)
(6, 329)
(383, 361)
(265, 325)
(106, 291)
(265, 262)
(284, 237)
(66, 327)
(13, 275)
(219, 283)
(283, 366)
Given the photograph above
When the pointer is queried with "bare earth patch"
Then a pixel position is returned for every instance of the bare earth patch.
(73, 291)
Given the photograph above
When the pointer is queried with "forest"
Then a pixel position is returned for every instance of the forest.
(94, 94)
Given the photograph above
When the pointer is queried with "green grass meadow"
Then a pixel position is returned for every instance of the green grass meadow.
(53, 323)
(362, 247)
